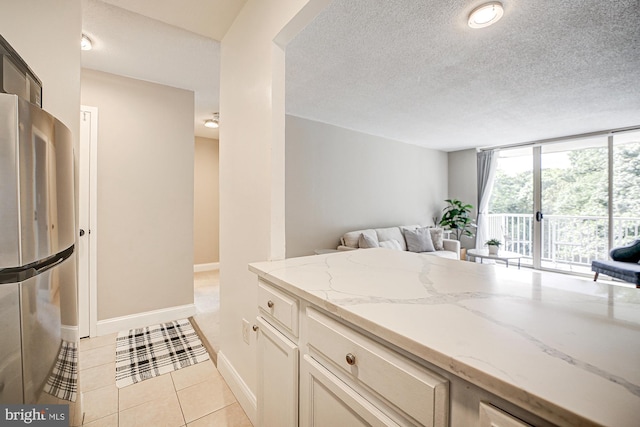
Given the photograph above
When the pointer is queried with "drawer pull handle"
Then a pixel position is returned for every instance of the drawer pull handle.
(255, 328)
(351, 359)
(270, 304)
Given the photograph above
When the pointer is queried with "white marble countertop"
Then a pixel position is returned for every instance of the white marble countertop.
(564, 348)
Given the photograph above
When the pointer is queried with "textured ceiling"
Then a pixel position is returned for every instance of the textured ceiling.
(413, 71)
(136, 46)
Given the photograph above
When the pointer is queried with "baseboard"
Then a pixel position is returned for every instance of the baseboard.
(243, 394)
(198, 268)
(69, 333)
(140, 320)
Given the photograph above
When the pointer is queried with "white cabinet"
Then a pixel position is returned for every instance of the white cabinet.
(278, 378)
(344, 377)
(277, 358)
(374, 382)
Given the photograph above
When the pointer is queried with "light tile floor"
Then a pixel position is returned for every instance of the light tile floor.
(193, 396)
(206, 297)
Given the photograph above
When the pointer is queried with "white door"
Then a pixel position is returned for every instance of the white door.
(86, 247)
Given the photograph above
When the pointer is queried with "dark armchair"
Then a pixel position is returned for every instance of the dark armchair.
(623, 265)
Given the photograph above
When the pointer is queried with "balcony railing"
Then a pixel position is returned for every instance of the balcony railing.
(572, 240)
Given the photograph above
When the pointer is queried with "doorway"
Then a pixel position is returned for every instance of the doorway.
(87, 222)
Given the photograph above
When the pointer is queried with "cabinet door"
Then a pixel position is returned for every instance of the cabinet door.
(277, 378)
(328, 402)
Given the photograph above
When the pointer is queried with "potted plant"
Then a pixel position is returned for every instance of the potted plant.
(457, 218)
(494, 246)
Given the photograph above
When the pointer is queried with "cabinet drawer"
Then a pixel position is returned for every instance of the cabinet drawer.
(490, 416)
(420, 394)
(278, 306)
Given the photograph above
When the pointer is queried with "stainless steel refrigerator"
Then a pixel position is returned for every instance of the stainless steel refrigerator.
(37, 235)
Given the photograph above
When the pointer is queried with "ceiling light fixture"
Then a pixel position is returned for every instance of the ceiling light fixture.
(85, 43)
(213, 123)
(486, 14)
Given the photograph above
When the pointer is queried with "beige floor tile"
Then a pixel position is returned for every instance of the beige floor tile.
(99, 403)
(48, 399)
(146, 391)
(162, 412)
(206, 297)
(75, 412)
(198, 373)
(108, 421)
(91, 343)
(204, 398)
(97, 356)
(229, 416)
(98, 376)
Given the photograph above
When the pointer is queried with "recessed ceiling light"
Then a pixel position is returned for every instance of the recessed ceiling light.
(485, 15)
(85, 43)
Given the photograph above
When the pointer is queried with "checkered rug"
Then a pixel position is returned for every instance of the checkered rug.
(63, 381)
(145, 353)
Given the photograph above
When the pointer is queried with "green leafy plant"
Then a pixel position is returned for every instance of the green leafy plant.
(457, 218)
(493, 242)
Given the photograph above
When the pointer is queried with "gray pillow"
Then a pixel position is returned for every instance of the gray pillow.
(628, 253)
(419, 240)
(436, 238)
(367, 242)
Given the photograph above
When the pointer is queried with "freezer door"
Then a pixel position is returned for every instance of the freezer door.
(10, 354)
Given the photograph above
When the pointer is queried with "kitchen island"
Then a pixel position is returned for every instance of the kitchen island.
(541, 348)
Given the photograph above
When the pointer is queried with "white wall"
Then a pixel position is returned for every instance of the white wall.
(145, 194)
(206, 202)
(47, 34)
(463, 183)
(251, 171)
(339, 180)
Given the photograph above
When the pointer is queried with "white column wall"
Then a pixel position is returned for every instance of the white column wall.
(252, 138)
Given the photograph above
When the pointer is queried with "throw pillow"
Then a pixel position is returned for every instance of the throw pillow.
(391, 244)
(628, 253)
(436, 238)
(366, 242)
(419, 240)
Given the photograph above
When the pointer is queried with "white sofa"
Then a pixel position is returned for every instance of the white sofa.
(351, 240)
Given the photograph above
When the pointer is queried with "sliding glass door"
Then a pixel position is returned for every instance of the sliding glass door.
(625, 203)
(563, 204)
(510, 217)
(574, 202)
